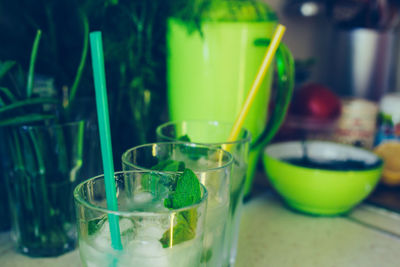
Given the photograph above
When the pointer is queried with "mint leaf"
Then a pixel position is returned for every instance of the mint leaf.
(161, 165)
(151, 180)
(194, 152)
(206, 255)
(95, 224)
(187, 192)
(169, 165)
(184, 138)
(175, 166)
(185, 229)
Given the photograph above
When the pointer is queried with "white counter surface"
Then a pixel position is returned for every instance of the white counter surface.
(272, 235)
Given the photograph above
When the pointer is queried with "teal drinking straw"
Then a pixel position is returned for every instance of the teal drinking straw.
(105, 135)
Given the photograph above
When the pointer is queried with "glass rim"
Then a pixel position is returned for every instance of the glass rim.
(133, 165)
(243, 140)
(78, 198)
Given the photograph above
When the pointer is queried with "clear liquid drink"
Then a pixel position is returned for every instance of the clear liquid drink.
(213, 168)
(151, 234)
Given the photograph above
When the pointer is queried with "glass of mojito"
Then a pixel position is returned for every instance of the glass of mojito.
(212, 166)
(215, 134)
(161, 220)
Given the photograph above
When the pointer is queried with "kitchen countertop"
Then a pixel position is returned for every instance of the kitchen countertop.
(273, 235)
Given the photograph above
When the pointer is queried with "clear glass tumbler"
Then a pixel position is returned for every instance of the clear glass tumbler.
(213, 167)
(44, 164)
(151, 235)
(215, 134)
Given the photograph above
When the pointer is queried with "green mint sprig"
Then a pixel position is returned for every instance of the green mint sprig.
(192, 152)
(96, 224)
(150, 181)
(170, 166)
(187, 192)
(184, 138)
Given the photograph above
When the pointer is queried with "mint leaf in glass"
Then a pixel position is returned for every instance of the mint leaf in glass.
(187, 192)
(169, 165)
(182, 231)
(184, 138)
(150, 181)
(95, 224)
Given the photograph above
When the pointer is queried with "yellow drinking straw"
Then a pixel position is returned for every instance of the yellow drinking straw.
(269, 55)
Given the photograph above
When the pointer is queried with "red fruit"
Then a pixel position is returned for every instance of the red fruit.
(397, 129)
(317, 101)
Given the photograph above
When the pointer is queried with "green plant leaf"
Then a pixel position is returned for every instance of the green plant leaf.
(8, 94)
(28, 102)
(112, 2)
(32, 62)
(194, 12)
(26, 119)
(5, 67)
(81, 65)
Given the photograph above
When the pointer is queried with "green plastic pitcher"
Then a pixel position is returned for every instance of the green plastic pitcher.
(212, 64)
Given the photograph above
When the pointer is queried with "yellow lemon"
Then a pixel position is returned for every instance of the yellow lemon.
(390, 152)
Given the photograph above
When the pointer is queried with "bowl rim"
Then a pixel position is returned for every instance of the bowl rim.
(378, 164)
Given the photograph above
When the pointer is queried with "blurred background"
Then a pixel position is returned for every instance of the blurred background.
(351, 49)
(346, 52)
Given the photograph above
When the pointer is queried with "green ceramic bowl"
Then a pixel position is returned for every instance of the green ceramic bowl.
(316, 190)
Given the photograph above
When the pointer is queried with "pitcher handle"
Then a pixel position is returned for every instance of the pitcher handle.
(285, 82)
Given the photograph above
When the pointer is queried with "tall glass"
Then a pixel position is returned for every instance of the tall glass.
(216, 134)
(213, 167)
(148, 231)
(42, 167)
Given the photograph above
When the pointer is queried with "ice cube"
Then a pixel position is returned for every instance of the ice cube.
(145, 252)
(93, 256)
(143, 197)
(102, 238)
(151, 232)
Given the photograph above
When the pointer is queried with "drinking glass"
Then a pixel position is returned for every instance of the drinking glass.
(216, 134)
(151, 235)
(213, 167)
(44, 164)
